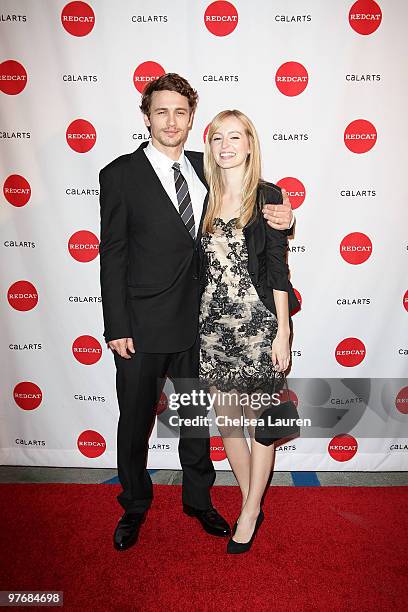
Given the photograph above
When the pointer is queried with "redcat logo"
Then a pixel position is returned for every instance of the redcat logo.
(342, 447)
(145, 73)
(91, 444)
(27, 395)
(83, 246)
(365, 16)
(360, 136)
(16, 190)
(86, 350)
(356, 248)
(299, 297)
(78, 18)
(221, 18)
(162, 404)
(296, 190)
(350, 352)
(13, 77)
(217, 450)
(405, 300)
(22, 295)
(401, 401)
(291, 78)
(81, 135)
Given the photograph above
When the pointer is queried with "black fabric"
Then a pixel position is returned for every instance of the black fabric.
(138, 389)
(150, 292)
(149, 262)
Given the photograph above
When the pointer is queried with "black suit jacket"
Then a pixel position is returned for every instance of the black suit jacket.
(267, 252)
(149, 263)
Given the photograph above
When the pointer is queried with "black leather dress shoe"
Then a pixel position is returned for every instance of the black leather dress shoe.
(127, 530)
(211, 521)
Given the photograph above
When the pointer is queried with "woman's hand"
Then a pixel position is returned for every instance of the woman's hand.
(281, 352)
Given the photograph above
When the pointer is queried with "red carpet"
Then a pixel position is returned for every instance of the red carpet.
(322, 548)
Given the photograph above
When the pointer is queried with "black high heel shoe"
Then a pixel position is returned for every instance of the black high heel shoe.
(235, 548)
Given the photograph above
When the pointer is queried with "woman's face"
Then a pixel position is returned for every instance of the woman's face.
(230, 144)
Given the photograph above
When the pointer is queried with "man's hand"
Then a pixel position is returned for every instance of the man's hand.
(121, 346)
(279, 216)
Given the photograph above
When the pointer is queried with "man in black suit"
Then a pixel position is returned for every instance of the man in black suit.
(152, 207)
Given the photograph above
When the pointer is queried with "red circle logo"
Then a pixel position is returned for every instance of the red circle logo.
(350, 352)
(299, 297)
(13, 77)
(342, 447)
(83, 246)
(217, 450)
(27, 395)
(78, 18)
(17, 190)
(162, 404)
(296, 190)
(81, 135)
(91, 444)
(291, 78)
(365, 16)
(356, 248)
(221, 18)
(401, 401)
(206, 132)
(405, 300)
(284, 396)
(360, 136)
(145, 73)
(86, 350)
(22, 295)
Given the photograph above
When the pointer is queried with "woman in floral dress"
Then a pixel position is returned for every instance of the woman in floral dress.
(244, 317)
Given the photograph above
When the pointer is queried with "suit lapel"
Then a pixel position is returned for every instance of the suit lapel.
(200, 227)
(197, 162)
(154, 186)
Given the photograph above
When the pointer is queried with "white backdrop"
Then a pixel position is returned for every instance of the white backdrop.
(324, 83)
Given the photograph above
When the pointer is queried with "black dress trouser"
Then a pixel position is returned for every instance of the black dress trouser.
(138, 390)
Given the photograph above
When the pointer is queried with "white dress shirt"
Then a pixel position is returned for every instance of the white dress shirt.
(162, 165)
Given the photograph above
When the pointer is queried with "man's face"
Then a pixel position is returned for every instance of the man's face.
(170, 118)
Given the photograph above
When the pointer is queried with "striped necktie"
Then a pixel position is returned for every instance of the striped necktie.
(184, 200)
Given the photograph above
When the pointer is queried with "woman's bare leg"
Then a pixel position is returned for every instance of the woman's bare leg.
(261, 462)
(235, 443)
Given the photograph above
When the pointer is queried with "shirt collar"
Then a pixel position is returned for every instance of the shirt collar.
(161, 161)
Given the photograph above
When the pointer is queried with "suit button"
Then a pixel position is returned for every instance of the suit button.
(195, 277)
(257, 285)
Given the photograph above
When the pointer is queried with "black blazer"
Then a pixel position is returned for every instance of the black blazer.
(267, 253)
(149, 264)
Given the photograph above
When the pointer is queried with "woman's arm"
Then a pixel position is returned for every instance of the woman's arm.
(280, 344)
(277, 273)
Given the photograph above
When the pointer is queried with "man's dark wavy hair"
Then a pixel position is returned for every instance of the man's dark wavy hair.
(169, 82)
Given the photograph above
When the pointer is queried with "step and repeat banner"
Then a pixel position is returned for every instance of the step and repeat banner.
(325, 84)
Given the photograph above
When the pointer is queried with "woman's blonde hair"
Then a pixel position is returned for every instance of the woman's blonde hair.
(252, 174)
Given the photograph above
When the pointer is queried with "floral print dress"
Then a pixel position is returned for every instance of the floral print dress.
(236, 328)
